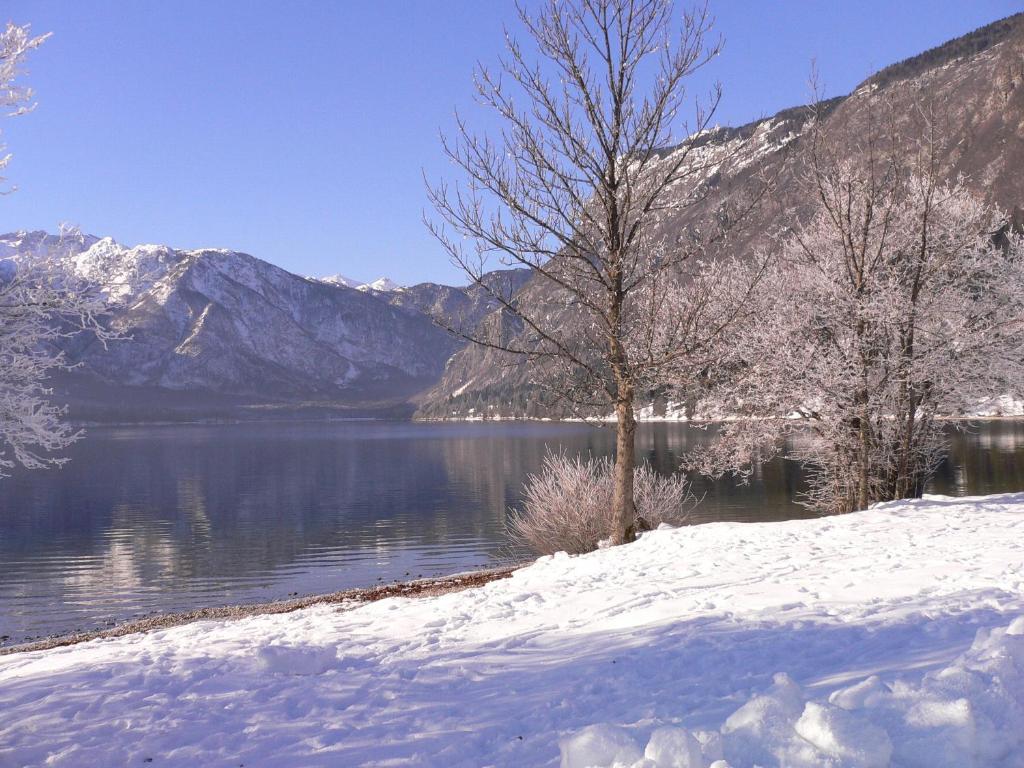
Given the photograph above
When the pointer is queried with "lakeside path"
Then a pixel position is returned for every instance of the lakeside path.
(892, 636)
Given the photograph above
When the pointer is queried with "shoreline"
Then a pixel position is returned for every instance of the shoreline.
(893, 634)
(598, 422)
(346, 598)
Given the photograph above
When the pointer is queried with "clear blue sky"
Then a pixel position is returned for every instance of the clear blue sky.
(297, 130)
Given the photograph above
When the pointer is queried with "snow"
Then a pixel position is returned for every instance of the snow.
(673, 747)
(462, 389)
(383, 284)
(1003, 405)
(599, 745)
(339, 279)
(121, 272)
(893, 636)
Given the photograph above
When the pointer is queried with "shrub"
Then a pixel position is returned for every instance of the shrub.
(568, 505)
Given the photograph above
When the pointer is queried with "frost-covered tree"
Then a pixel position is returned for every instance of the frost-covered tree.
(15, 99)
(899, 301)
(37, 311)
(575, 188)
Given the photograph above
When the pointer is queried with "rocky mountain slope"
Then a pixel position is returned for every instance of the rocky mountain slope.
(216, 330)
(975, 86)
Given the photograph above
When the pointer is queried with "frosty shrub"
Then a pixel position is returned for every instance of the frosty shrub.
(568, 505)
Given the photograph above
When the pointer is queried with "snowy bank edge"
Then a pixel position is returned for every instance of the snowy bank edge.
(347, 599)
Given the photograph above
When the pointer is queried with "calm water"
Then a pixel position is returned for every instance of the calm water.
(148, 519)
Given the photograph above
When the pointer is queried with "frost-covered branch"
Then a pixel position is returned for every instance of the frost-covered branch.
(15, 99)
(39, 311)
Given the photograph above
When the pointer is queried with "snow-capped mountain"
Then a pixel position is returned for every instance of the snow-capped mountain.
(119, 272)
(381, 284)
(339, 279)
(219, 322)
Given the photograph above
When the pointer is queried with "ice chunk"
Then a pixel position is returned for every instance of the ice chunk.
(841, 734)
(600, 746)
(672, 747)
(710, 745)
(755, 732)
(867, 693)
(1016, 626)
(778, 708)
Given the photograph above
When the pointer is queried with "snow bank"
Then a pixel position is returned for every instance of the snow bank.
(970, 713)
(887, 637)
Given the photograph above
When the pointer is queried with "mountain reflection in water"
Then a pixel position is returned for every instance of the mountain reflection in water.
(170, 518)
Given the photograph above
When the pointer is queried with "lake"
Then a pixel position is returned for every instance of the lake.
(169, 518)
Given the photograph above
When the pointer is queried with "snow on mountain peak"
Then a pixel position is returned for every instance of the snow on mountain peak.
(40, 245)
(380, 285)
(121, 271)
(338, 279)
(383, 284)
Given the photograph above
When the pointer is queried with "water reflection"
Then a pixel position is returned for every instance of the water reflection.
(169, 518)
(985, 457)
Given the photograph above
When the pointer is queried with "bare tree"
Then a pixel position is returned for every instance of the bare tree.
(38, 310)
(577, 189)
(900, 301)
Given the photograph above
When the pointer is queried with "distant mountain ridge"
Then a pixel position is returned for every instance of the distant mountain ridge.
(382, 284)
(248, 334)
(339, 279)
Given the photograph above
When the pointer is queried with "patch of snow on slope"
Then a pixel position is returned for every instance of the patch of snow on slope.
(890, 636)
(1003, 405)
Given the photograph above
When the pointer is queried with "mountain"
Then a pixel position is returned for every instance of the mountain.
(219, 332)
(381, 284)
(348, 282)
(976, 84)
(215, 332)
(460, 307)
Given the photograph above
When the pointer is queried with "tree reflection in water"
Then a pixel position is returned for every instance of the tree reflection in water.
(169, 518)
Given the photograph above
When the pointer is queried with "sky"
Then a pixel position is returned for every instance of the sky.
(300, 130)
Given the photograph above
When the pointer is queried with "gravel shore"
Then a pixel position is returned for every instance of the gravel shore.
(348, 598)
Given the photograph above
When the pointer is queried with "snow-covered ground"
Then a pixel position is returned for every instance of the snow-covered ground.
(887, 637)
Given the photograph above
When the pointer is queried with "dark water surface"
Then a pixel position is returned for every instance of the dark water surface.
(168, 518)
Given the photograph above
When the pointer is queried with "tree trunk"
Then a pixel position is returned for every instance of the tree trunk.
(623, 505)
(864, 481)
(905, 487)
